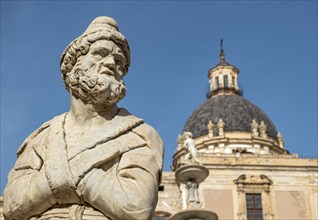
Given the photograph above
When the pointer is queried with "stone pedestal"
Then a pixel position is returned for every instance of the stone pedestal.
(194, 214)
(192, 175)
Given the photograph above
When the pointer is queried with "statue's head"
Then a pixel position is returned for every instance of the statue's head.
(187, 134)
(94, 64)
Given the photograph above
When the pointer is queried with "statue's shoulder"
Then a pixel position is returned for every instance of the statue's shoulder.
(152, 138)
(39, 133)
(149, 134)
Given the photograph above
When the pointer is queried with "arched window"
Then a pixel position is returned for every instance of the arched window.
(217, 83)
(226, 83)
(254, 207)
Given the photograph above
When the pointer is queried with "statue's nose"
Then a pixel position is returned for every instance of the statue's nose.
(109, 62)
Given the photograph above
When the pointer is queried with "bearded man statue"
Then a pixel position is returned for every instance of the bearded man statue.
(96, 161)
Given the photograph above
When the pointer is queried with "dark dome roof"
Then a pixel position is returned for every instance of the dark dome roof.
(236, 112)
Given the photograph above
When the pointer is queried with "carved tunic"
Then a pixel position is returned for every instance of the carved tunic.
(107, 179)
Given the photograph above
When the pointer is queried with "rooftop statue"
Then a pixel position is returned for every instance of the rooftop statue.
(192, 152)
(96, 160)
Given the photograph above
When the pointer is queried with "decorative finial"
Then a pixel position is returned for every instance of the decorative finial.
(221, 44)
(281, 141)
(263, 129)
(222, 55)
(254, 127)
(221, 127)
(210, 128)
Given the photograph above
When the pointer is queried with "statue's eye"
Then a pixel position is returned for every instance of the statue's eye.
(119, 66)
(98, 56)
(120, 61)
(100, 53)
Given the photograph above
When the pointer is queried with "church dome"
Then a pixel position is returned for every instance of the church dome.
(236, 112)
(226, 124)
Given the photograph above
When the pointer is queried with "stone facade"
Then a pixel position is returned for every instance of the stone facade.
(288, 186)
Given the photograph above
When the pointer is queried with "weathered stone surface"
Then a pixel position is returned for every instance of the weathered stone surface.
(96, 160)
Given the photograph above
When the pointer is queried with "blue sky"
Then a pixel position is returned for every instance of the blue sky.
(173, 45)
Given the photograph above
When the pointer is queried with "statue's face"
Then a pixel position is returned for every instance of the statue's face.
(104, 58)
(101, 73)
(188, 135)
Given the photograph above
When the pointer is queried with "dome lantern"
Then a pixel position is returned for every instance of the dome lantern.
(223, 77)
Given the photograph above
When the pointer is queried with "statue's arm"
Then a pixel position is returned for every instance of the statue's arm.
(27, 192)
(131, 190)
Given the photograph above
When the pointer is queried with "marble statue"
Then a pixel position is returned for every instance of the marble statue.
(96, 161)
(189, 145)
(193, 194)
(190, 195)
(184, 196)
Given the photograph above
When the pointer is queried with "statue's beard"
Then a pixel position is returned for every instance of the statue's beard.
(98, 90)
